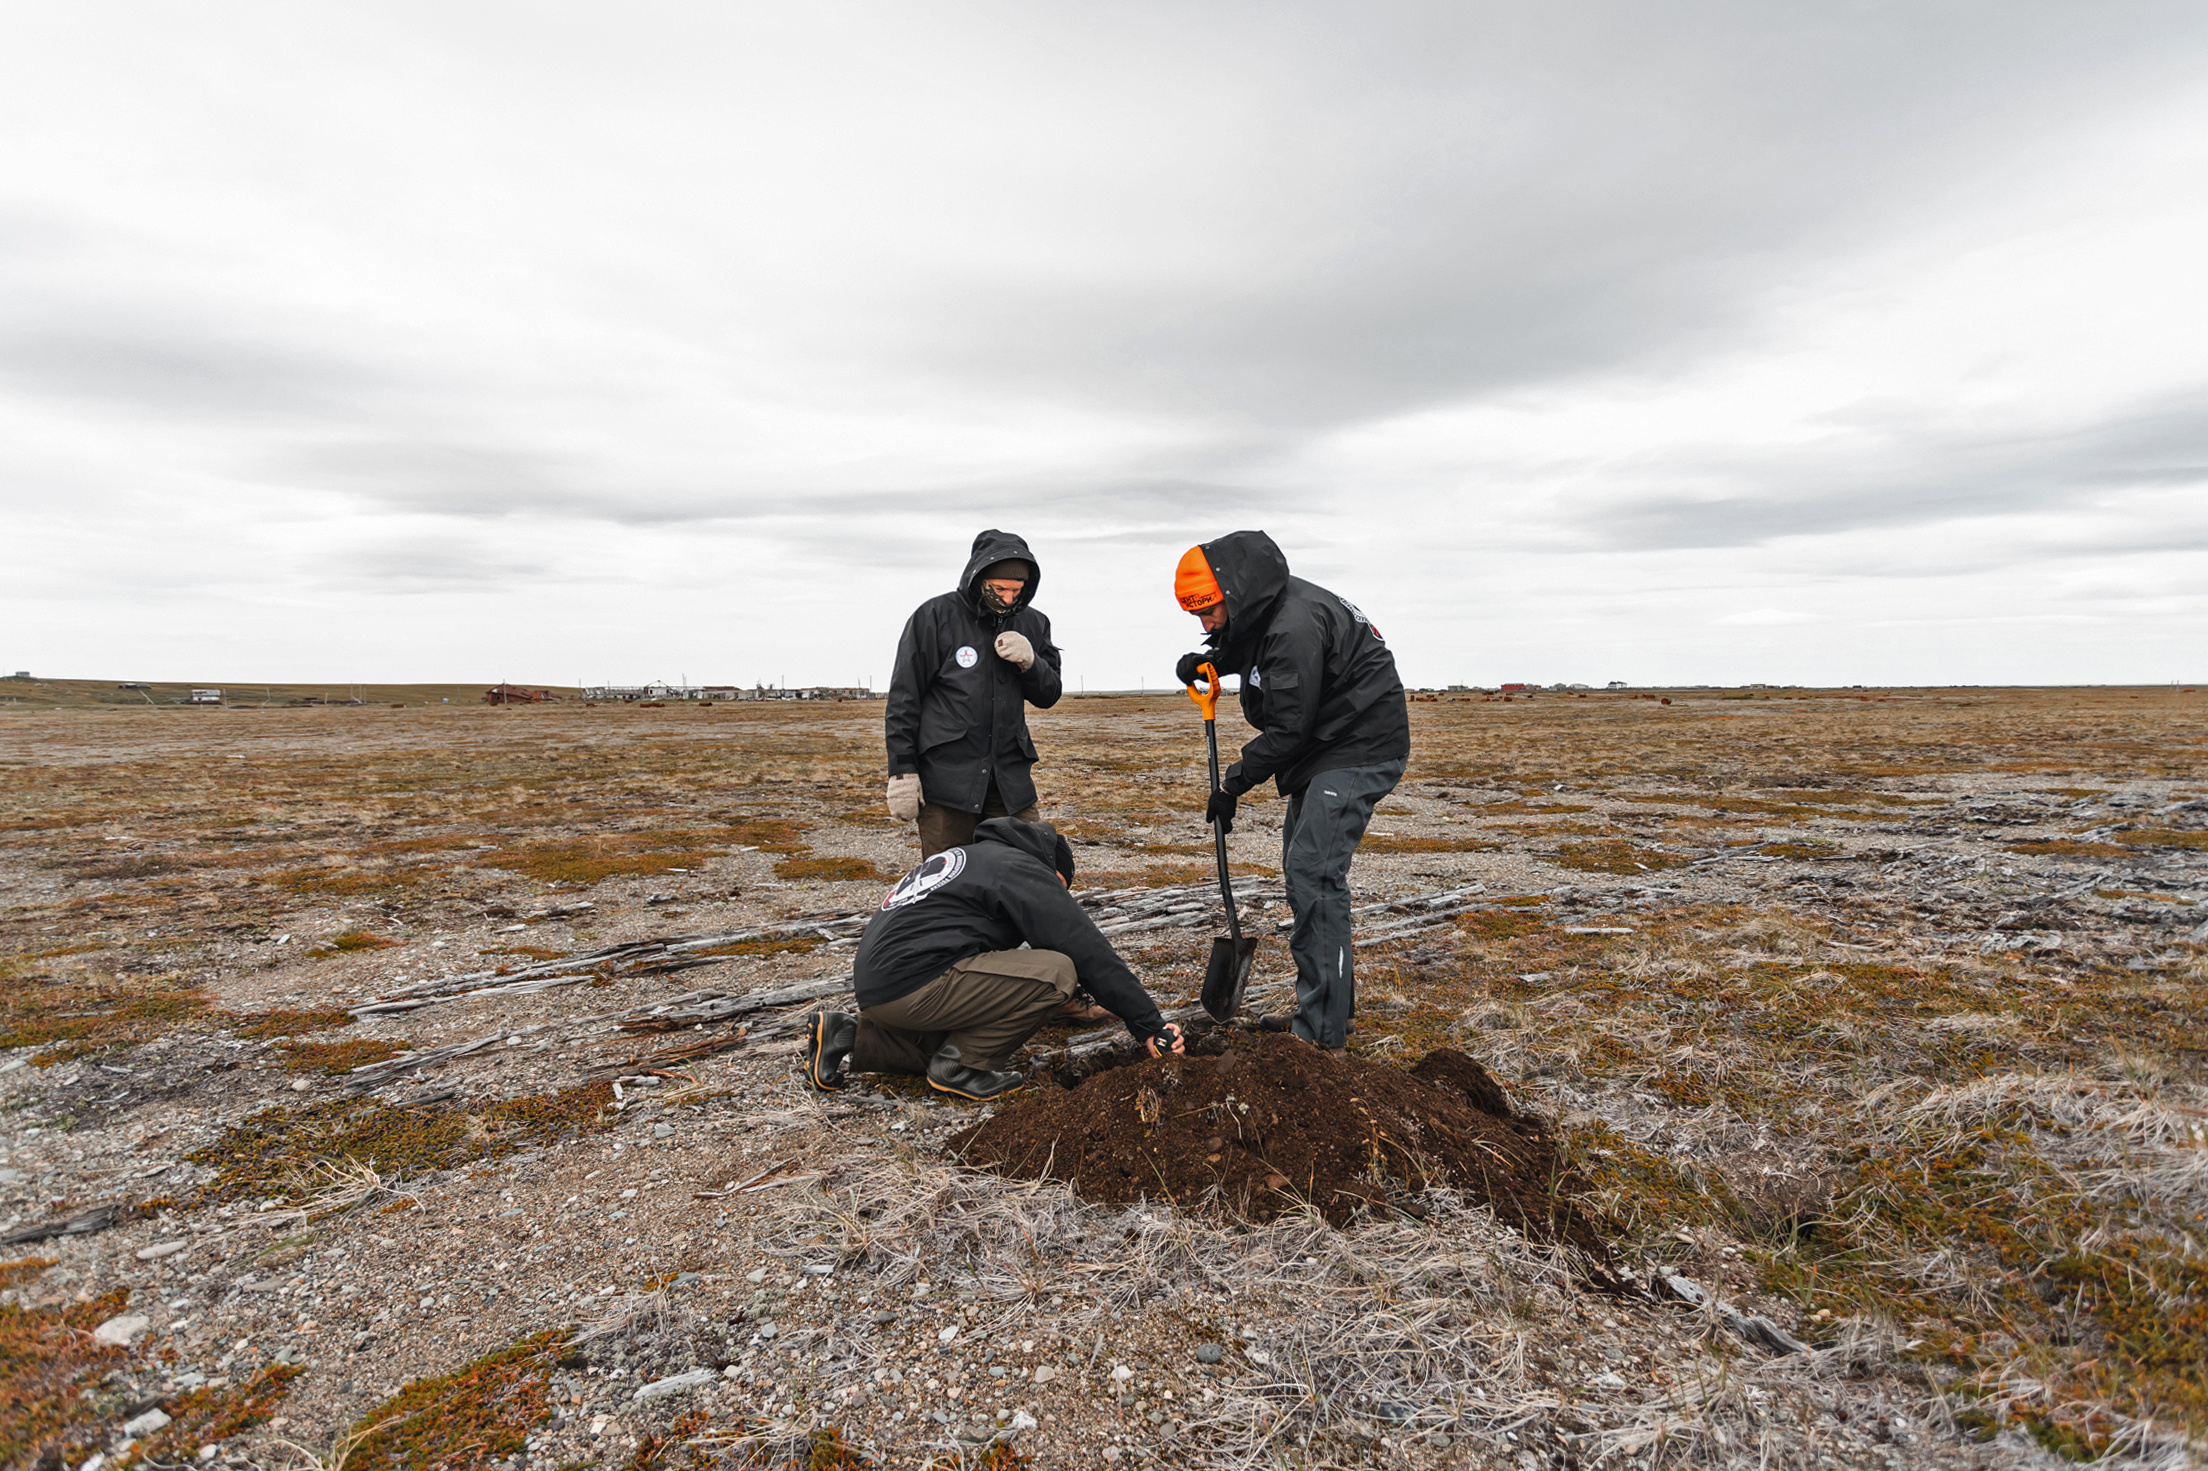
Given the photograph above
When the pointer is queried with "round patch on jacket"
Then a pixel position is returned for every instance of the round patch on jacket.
(966, 656)
(926, 879)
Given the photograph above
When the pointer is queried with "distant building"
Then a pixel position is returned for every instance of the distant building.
(201, 697)
(636, 693)
(1615, 684)
(21, 674)
(514, 694)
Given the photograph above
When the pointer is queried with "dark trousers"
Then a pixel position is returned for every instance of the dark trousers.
(988, 1004)
(1318, 837)
(947, 827)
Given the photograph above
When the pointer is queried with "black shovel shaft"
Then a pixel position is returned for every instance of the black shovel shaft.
(1219, 838)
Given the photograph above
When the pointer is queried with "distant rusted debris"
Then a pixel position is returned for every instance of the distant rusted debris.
(514, 694)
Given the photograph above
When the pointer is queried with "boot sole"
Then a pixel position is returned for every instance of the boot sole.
(816, 1036)
(976, 1097)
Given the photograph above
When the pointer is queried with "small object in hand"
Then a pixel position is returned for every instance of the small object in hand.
(1169, 1040)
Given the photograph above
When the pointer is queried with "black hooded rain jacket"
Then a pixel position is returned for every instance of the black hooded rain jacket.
(957, 713)
(995, 893)
(1317, 681)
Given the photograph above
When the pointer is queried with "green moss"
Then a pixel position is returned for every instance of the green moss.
(208, 1415)
(832, 870)
(267, 1155)
(341, 1057)
(284, 1023)
(1615, 856)
(50, 1365)
(467, 1420)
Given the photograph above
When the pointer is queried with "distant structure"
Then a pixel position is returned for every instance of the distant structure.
(638, 693)
(199, 697)
(1615, 684)
(21, 674)
(514, 694)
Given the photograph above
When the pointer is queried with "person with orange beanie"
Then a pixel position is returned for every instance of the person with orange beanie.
(1334, 735)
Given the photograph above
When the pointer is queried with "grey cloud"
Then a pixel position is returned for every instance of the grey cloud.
(1468, 204)
(1910, 478)
(182, 371)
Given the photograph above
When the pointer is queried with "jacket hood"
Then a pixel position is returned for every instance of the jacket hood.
(1037, 839)
(990, 548)
(1253, 573)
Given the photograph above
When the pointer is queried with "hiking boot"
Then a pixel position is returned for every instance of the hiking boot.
(828, 1039)
(1279, 1021)
(948, 1074)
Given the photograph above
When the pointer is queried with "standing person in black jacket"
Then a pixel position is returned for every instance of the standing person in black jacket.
(1334, 734)
(968, 664)
(943, 988)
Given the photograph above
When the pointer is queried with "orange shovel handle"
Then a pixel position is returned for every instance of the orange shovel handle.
(1207, 699)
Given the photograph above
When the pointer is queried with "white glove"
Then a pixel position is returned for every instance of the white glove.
(904, 796)
(1014, 649)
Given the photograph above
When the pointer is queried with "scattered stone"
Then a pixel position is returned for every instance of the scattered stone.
(161, 1249)
(663, 1131)
(1209, 1353)
(147, 1423)
(1022, 1421)
(1046, 1373)
(121, 1329)
(1609, 1379)
(883, 1317)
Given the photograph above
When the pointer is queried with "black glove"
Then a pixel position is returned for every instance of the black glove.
(1185, 671)
(1221, 810)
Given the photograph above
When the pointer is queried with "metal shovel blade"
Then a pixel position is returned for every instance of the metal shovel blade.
(1226, 974)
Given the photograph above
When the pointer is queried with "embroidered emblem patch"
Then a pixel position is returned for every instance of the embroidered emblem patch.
(926, 879)
(966, 656)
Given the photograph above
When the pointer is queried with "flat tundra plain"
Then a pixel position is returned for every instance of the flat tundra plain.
(417, 1087)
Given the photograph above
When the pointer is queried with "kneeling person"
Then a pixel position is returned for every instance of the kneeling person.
(943, 988)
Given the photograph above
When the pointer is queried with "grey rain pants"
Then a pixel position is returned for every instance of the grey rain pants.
(1319, 835)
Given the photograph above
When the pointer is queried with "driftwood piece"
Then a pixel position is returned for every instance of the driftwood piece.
(83, 1223)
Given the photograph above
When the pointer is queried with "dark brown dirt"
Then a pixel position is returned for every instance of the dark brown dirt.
(1262, 1129)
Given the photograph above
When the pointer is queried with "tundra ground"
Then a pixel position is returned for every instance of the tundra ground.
(394, 1086)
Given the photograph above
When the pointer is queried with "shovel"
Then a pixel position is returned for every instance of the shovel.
(1228, 970)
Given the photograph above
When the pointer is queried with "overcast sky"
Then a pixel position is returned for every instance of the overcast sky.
(1832, 343)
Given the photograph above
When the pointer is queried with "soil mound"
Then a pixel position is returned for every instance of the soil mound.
(1273, 1123)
